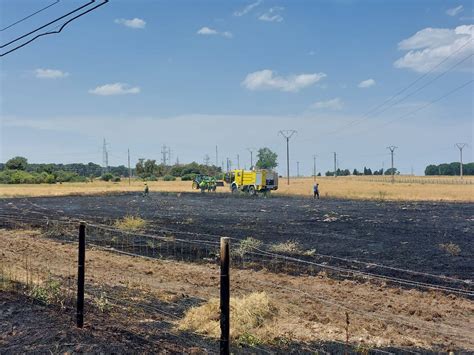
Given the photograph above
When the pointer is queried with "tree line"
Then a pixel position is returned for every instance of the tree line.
(366, 171)
(452, 169)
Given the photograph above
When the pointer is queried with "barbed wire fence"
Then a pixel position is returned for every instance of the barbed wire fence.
(165, 244)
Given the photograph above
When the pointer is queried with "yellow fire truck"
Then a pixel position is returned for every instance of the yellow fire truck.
(253, 181)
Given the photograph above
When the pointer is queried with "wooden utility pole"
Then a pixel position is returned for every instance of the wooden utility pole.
(314, 167)
(335, 164)
(225, 297)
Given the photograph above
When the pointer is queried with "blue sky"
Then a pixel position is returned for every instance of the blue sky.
(193, 74)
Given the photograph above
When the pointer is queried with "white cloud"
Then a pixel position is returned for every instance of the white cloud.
(135, 23)
(115, 89)
(428, 47)
(455, 10)
(333, 104)
(366, 83)
(268, 80)
(50, 74)
(206, 31)
(272, 15)
(247, 8)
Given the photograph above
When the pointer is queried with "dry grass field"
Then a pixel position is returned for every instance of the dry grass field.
(360, 187)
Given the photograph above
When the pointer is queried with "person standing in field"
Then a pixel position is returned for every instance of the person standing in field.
(316, 191)
(146, 191)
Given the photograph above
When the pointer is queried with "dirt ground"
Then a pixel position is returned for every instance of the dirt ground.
(406, 235)
(309, 309)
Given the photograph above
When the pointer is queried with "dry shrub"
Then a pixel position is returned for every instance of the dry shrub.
(450, 248)
(247, 245)
(247, 315)
(291, 247)
(130, 223)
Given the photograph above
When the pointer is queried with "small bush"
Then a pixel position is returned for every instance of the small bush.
(130, 223)
(247, 314)
(107, 177)
(247, 245)
(169, 178)
(116, 179)
(188, 177)
(151, 178)
(49, 292)
(291, 247)
(450, 248)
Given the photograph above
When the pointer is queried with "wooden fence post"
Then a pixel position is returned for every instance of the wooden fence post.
(225, 297)
(81, 275)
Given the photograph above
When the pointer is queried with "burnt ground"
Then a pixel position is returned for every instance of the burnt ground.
(397, 234)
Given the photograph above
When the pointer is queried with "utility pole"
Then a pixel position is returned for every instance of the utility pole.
(217, 157)
(251, 150)
(392, 150)
(460, 147)
(335, 164)
(105, 156)
(287, 134)
(314, 167)
(297, 169)
(129, 169)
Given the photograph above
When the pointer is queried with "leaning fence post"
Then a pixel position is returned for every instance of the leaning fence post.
(225, 297)
(80, 275)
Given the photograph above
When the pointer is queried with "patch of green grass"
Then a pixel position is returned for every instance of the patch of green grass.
(48, 292)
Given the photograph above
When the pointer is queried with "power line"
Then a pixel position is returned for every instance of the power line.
(416, 81)
(29, 16)
(374, 109)
(51, 32)
(429, 103)
(409, 94)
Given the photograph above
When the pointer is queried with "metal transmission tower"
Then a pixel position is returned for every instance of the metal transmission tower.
(392, 150)
(461, 146)
(297, 169)
(314, 166)
(287, 134)
(105, 156)
(164, 154)
(251, 150)
(206, 160)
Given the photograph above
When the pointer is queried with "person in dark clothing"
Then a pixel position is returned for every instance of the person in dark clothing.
(316, 191)
(146, 191)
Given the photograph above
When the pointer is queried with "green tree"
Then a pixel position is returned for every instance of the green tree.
(266, 159)
(17, 163)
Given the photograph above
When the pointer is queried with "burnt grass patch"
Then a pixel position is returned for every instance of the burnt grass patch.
(404, 235)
